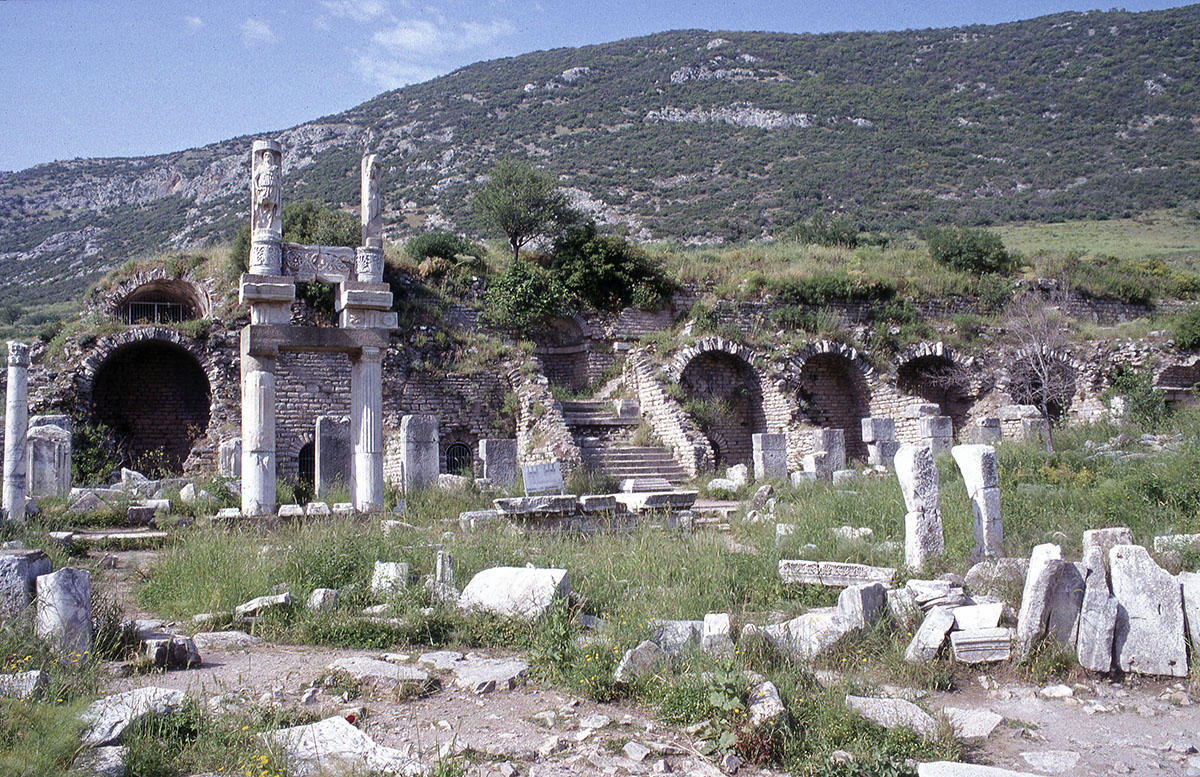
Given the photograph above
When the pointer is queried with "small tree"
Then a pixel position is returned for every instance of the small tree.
(1036, 329)
(972, 250)
(521, 202)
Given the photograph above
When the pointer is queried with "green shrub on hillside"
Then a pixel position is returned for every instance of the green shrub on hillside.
(1187, 328)
(606, 271)
(1144, 404)
(523, 295)
(445, 245)
(972, 250)
(824, 230)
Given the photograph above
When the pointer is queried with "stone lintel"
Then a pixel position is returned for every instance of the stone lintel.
(360, 294)
(268, 340)
(266, 289)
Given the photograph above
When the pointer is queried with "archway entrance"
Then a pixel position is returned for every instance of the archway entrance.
(155, 397)
(938, 379)
(834, 395)
(725, 401)
(563, 353)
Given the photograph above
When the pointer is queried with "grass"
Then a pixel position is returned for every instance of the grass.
(1169, 234)
(627, 579)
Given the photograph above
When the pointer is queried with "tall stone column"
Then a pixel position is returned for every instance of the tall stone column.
(369, 258)
(266, 211)
(258, 434)
(16, 422)
(366, 430)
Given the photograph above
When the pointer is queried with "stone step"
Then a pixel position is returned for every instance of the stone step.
(575, 420)
(600, 453)
(605, 408)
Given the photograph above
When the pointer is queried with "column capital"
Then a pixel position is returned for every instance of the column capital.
(18, 354)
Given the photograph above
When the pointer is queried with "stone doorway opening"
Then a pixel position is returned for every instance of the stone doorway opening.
(833, 394)
(724, 399)
(939, 380)
(155, 397)
(562, 350)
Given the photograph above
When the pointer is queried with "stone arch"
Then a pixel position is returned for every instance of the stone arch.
(833, 388)
(154, 296)
(724, 396)
(1035, 377)
(152, 387)
(940, 375)
(460, 459)
(561, 347)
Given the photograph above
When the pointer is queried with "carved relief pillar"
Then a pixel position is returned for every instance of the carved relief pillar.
(369, 258)
(266, 210)
(258, 433)
(16, 423)
(366, 430)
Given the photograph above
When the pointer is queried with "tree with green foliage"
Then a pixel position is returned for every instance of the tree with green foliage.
(606, 271)
(972, 250)
(521, 202)
(1186, 330)
(305, 221)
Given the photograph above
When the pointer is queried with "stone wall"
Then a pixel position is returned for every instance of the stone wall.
(666, 417)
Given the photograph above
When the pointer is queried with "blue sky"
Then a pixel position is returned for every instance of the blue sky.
(85, 78)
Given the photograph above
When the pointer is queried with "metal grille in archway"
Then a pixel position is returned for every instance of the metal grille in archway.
(459, 460)
(306, 465)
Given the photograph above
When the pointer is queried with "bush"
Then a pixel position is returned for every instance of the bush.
(605, 271)
(522, 296)
(823, 230)
(971, 250)
(1187, 328)
(1145, 404)
(305, 221)
(445, 245)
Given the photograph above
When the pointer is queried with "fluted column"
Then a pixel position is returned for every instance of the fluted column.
(258, 434)
(366, 430)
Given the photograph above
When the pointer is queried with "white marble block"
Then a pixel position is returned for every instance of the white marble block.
(64, 609)
(770, 456)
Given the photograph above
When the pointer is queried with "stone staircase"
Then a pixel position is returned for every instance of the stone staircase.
(605, 440)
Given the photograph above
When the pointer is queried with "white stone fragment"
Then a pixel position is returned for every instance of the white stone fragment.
(972, 726)
(978, 616)
(389, 577)
(929, 637)
(64, 609)
(893, 713)
(519, 592)
(1045, 563)
(335, 746)
(106, 719)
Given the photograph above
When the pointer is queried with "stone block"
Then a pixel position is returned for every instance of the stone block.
(1177, 542)
(645, 484)
(291, 512)
(419, 457)
(893, 713)
(598, 503)
(1106, 539)
(317, 510)
(543, 478)
(522, 592)
(985, 432)
(918, 476)
(769, 455)
(60, 421)
(935, 426)
(1189, 582)
(322, 599)
(1097, 622)
(499, 460)
(1045, 564)
(972, 726)
(259, 604)
(19, 568)
(923, 537)
(676, 636)
(555, 504)
(978, 646)
(24, 685)
(832, 573)
(996, 577)
(833, 443)
(739, 474)
(819, 465)
(640, 661)
(716, 635)
(978, 466)
(860, 606)
(1066, 600)
(332, 453)
(107, 719)
(1149, 633)
(843, 476)
(64, 609)
(878, 429)
(882, 453)
(801, 477)
(229, 458)
(659, 500)
(987, 526)
(388, 577)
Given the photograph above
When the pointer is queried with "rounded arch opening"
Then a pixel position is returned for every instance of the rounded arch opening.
(562, 350)
(939, 380)
(306, 465)
(162, 301)
(460, 460)
(834, 394)
(155, 397)
(724, 399)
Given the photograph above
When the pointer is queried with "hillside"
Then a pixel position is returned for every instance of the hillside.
(696, 136)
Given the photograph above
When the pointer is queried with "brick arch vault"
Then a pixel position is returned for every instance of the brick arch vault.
(153, 387)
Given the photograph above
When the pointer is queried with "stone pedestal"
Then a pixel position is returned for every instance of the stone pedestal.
(880, 436)
(499, 458)
(918, 476)
(936, 432)
(258, 434)
(48, 456)
(366, 430)
(419, 450)
(831, 442)
(332, 453)
(770, 456)
(16, 422)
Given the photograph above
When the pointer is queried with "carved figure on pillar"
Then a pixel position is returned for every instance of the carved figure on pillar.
(266, 212)
(372, 203)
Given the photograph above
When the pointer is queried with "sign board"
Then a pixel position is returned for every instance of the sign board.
(542, 478)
